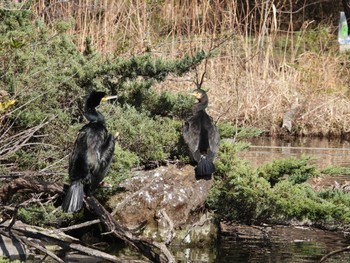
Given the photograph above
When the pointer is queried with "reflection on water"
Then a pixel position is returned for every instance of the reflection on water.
(328, 152)
(284, 245)
(290, 245)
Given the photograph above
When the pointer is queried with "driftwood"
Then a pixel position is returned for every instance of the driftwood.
(31, 236)
(25, 185)
(325, 257)
(156, 252)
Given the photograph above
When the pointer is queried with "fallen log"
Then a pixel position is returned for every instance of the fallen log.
(26, 185)
(32, 237)
(156, 252)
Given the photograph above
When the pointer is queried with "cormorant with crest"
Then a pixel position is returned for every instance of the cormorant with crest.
(91, 156)
(201, 136)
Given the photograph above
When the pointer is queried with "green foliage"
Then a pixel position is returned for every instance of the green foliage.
(150, 138)
(246, 132)
(315, 40)
(43, 215)
(295, 170)
(7, 260)
(240, 193)
(302, 203)
(247, 195)
(335, 170)
(123, 161)
(49, 78)
(227, 129)
(169, 104)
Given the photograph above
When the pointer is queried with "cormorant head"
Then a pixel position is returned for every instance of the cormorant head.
(92, 101)
(202, 99)
(200, 95)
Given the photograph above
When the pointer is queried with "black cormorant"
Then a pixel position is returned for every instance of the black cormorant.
(201, 136)
(91, 156)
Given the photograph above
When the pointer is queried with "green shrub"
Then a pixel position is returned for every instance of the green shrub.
(150, 138)
(7, 260)
(228, 130)
(240, 194)
(295, 170)
(246, 195)
(335, 170)
(44, 215)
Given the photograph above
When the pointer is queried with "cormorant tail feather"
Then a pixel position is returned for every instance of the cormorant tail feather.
(205, 167)
(74, 199)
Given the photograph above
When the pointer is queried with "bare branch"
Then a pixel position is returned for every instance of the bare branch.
(325, 257)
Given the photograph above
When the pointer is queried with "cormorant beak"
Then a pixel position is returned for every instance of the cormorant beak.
(196, 94)
(104, 99)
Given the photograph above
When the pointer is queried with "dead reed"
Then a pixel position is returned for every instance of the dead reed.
(275, 55)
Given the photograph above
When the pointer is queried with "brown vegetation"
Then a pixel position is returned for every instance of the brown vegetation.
(277, 52)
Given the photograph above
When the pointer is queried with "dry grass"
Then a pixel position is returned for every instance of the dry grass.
(253, 80)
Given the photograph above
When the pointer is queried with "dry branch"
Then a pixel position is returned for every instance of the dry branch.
(325, 257)
(77, 226)
(13, 143)
(30, 243)
(27, 185)
(171, 232)
(156, 252)
(22, 232)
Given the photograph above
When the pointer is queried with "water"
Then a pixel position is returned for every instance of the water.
(283, 244)
(289, 245)
(327, 152)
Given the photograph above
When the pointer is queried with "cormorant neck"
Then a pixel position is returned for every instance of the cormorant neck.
(201, 105)
(92, 115)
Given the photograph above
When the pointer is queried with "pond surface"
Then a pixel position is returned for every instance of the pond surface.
(327, 152)
(289, 245)
(285, 245)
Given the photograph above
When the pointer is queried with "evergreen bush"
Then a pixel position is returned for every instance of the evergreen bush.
(48, 78)
(274, 193)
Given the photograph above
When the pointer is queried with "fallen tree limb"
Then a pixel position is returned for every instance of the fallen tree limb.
(171, 232)
(26, 185)
(22, 231)
(36, 245)
(325, 257)
(77, 226)
(146, 247)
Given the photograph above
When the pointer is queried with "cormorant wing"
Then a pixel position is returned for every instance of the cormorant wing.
(191, 135)
(100, 152)
(214, 140)
(78, 162)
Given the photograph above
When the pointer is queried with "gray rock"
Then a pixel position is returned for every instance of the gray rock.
(162, 200)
